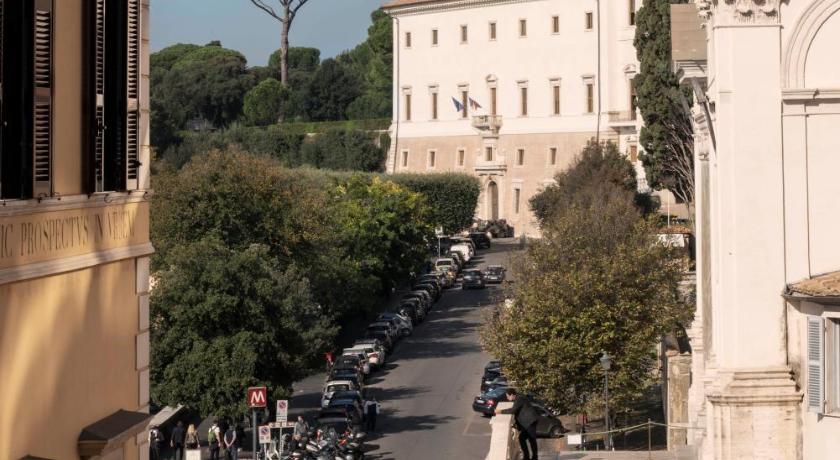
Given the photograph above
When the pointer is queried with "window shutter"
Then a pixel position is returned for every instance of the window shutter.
(98, 71)
(42, 100)
(815, 364)
(132, 138)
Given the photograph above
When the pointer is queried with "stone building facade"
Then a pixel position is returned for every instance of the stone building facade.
(510, 91)
(74, 229)
(766, 335)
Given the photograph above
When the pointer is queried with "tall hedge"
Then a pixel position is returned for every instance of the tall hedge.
(452, 197)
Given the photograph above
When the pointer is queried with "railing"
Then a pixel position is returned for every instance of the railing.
(621, 116)
(487, 122)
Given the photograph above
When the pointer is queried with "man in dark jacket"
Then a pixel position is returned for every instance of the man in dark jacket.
(526, 422)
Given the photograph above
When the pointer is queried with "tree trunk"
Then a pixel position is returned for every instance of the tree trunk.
(284, 46)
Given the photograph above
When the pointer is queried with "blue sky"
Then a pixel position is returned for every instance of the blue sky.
(329, 25)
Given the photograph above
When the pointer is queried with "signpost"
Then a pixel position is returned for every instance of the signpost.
(439, 233)
(256, 399)
(282, 411)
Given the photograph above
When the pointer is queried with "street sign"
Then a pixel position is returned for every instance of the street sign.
(257, 397)
(282, 410)
(439, 231)
(265, 434)
(574, 439)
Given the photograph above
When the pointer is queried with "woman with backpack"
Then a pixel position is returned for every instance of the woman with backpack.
(214, 439)
(191, 440)
(155, 442)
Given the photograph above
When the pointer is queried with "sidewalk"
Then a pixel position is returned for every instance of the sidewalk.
(616, 455)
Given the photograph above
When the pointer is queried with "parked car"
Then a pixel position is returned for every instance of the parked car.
(480, 239)
(460, 257)
(359, 357)
(433, 290)
(350, 374)
(377, 345)
(472, 279)
(403, 321)
(392, 332)
(548, 425)
(375, 357)
(402, 330)
(447, 264)
(410, 308)
(333, 386)
(434, 280)
(494, 274)
(349, 405)
(498, 382)
(383, 337)
(424, 297)
(486, 402)
(441, 278)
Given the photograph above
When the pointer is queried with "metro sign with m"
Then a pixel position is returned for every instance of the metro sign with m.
(257, 397)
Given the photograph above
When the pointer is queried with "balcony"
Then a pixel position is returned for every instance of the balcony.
(487, 124)
(622, 118)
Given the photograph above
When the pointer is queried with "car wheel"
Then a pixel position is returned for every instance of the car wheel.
(556, 432)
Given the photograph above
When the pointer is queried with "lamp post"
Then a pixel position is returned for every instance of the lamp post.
(606, 363)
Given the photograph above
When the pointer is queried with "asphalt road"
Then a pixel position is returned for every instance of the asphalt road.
(428, 384)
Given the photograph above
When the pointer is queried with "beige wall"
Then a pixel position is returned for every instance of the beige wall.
(67, 344)
(67, 112)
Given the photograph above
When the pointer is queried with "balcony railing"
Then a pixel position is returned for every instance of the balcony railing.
(622, 116)
(490, 123)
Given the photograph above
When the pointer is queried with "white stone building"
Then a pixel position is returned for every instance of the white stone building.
(535, 80)
(766, 337)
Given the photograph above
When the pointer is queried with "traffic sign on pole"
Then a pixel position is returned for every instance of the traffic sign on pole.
(257, 397)
(265, 434)
(282, 410)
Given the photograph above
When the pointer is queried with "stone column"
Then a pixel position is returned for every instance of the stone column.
(754, 401)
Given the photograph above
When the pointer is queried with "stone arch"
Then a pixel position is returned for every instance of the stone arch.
(492, 200)
(807, 28)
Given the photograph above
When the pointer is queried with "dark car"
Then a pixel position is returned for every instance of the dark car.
(350, 405)
(473, 279)
(433, 290)
(409, 309)
(481, 240)
(349, 394)
(458, 258)
(347, 361)
(548, 425)
(486, 402)
(383, 337)
(346, 374)
(439, 277)
(494, 274)
(499, 381)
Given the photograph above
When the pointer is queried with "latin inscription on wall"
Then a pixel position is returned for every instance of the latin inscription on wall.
(53, 235)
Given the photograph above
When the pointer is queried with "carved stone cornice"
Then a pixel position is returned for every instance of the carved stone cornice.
(739, 12)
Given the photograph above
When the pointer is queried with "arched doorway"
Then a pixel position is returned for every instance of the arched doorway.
(493, 197)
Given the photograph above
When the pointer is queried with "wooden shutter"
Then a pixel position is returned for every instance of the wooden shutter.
(132, 122)
(42, 99)
(2, 114)
(816, 348)
(98, 75)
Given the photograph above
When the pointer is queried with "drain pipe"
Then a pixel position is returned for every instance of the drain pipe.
(396, 95)
(598, 77)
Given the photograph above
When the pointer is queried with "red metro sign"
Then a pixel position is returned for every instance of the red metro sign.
(257, 397)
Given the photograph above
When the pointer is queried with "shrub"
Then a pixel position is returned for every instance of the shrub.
(452, 197)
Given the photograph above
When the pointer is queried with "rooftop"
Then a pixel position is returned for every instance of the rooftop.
(396, 3)
(827, 285)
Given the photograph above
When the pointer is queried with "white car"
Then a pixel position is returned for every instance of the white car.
(463, 249)
(336, 385)
(446, 264)
(363, 359)
(374, 357)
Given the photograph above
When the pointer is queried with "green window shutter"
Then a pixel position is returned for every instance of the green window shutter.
(816, 349)
(132, 135)
(42, 99)
(98, 75)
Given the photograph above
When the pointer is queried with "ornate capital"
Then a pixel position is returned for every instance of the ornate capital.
(727, 12)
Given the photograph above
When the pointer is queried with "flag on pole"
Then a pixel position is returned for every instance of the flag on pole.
(458, 106)
(474, 105)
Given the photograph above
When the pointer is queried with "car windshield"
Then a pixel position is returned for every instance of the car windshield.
(341, 402)
(443, 262)
(494, 270)
(334, 388)
(472, 273)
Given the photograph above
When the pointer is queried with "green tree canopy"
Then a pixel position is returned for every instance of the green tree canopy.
(264, 102)
(666, 136)
(452, 197)
(372, 61)
(224, 320)
(341, 149)
(332, 89)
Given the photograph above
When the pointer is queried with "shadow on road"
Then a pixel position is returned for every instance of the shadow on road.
(393, 423)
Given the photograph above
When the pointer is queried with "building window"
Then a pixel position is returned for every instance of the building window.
(520, 157)
(434, 37)
(555, 91)
(408, 39)
(555, 24)
(516, 193)
(405, 158)
(408, 107)
(461, 155)
(432, 155)
(590, 98)
(523, 28)
(832, 359)
(465, 99)
(492, 31)
(493, 106)
(632, 18)
(464, 35)
(588, 21)
(488, 153)
(634, 154)
(434, 105)
(633, 100)
(523, 93)
(552, 156)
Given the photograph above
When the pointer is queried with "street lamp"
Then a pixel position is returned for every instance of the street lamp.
(606, 363)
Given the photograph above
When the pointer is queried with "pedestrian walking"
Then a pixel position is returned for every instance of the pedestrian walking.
(330, 358)
(214, 440)
(231, 443)
(155, 442)
(371, 411)
(526, 422)
(177, 440)
(191, 440)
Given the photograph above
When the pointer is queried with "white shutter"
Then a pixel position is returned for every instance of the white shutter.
(132, 135)
(42, 100)
(99, 95)
(816, 351)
